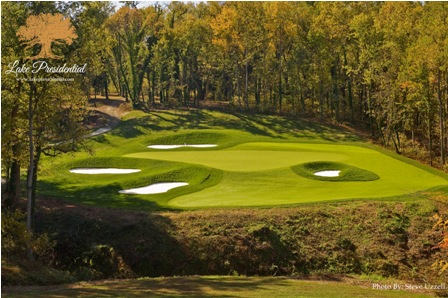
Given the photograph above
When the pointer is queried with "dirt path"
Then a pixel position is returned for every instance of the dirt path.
(106, 114)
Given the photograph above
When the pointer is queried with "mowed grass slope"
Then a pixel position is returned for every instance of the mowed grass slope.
(253, 164)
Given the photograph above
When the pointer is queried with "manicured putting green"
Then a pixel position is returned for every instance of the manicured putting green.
(260, 174)
(259, 161)
(246, 157)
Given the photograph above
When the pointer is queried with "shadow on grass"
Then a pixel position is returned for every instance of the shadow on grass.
(129, 129)
(100, 101)
(164, 287)
(260, 125)
(141, 242)
(106, 196)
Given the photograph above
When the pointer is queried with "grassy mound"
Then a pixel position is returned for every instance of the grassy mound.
(348, 172)
(103, 189)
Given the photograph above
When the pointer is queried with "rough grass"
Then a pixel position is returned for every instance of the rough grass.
(250, 167)
(212, 286)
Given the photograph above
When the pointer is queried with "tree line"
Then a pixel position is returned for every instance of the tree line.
(381, 66)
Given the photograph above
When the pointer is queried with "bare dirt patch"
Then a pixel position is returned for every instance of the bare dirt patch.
(106, 113)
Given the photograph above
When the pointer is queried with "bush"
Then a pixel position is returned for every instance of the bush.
(17, 267)
(441, 224)
(15, 237)
(102, 261)
(17, 241)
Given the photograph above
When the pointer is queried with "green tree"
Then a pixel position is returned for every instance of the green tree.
(13, 102)
(130, 30)
(44, 116)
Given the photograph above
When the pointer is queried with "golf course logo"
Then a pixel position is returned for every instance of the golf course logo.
(46, 29)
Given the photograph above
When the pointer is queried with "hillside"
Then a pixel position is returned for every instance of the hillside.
(382, 241)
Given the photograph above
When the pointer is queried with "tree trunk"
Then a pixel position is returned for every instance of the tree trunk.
(258, 91)
(246, 89)
(29, 205)
(369, 104)
(349, 86)
(321, 101)
(441, 118)
(13, 181)
(34, 184)
(280, 92)
(106, 87)
(13, 186)
(429, 127)
(153, 87)
(238, 86)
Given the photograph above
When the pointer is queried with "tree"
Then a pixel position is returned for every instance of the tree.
(91, 46)
(131, 49)
(13, 119)
(42, 115)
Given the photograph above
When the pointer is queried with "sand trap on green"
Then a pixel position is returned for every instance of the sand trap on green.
(165, 147)
(328, 173)
(154, 188)
(96, 171)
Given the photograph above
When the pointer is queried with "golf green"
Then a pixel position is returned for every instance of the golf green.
(259, 161)
(260, 174)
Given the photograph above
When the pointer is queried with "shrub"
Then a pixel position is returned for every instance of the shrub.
(441, 224)
(102, 261)
(17, 241)
(17, 267)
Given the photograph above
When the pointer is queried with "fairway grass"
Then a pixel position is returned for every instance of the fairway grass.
(214, 286)
(254, 164)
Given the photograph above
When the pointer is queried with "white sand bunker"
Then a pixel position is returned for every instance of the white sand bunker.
(179, 146)
(94, 171)
(153, 188)
(332, 173)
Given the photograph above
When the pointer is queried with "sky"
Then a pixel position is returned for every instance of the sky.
(148, 3)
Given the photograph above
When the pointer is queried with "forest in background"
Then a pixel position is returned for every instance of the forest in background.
(380, 66)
